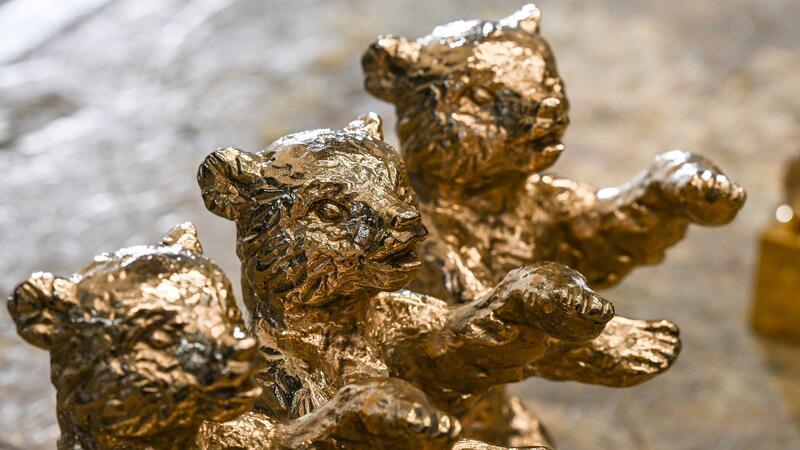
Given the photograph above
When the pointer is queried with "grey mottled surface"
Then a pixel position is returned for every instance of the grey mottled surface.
(108, 106)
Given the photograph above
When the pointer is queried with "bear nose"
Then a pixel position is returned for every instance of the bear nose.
(551, 112)
(550, 108)
(406, 219)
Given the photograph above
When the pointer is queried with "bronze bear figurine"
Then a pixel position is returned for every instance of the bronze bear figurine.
(481, 112)
(327, 232)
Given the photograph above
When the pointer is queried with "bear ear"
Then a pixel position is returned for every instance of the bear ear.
(185, 235)
(226, 178)
(40, 308)
(386, 64)
(369, 123)
(527, 19)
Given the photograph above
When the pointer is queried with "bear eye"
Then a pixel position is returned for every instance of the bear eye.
(330, 211)
(481, 95)
(159, 339)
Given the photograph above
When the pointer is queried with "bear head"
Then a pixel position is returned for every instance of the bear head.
(320, 215)
(142, 341)
(477, 101)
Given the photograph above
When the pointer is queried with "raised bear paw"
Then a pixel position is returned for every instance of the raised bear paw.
(388, 412)
(628, 352)
(557, 300)
(698, 187)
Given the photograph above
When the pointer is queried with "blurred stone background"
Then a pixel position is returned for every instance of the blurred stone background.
(108, 106)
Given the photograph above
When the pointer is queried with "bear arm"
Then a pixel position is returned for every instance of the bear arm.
(606, 233)
(467, 348)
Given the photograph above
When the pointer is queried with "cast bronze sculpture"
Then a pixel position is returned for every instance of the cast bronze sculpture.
(149, 351)
(481, 111)
(328, 229)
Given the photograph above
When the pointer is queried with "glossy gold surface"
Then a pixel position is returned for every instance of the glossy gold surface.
(328, 227)
(481, 112)
(776, 308)
(94, 166)
(148, 348)
(146, 345)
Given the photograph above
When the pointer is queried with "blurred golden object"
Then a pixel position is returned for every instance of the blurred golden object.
(776, 310)
(481, 111)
